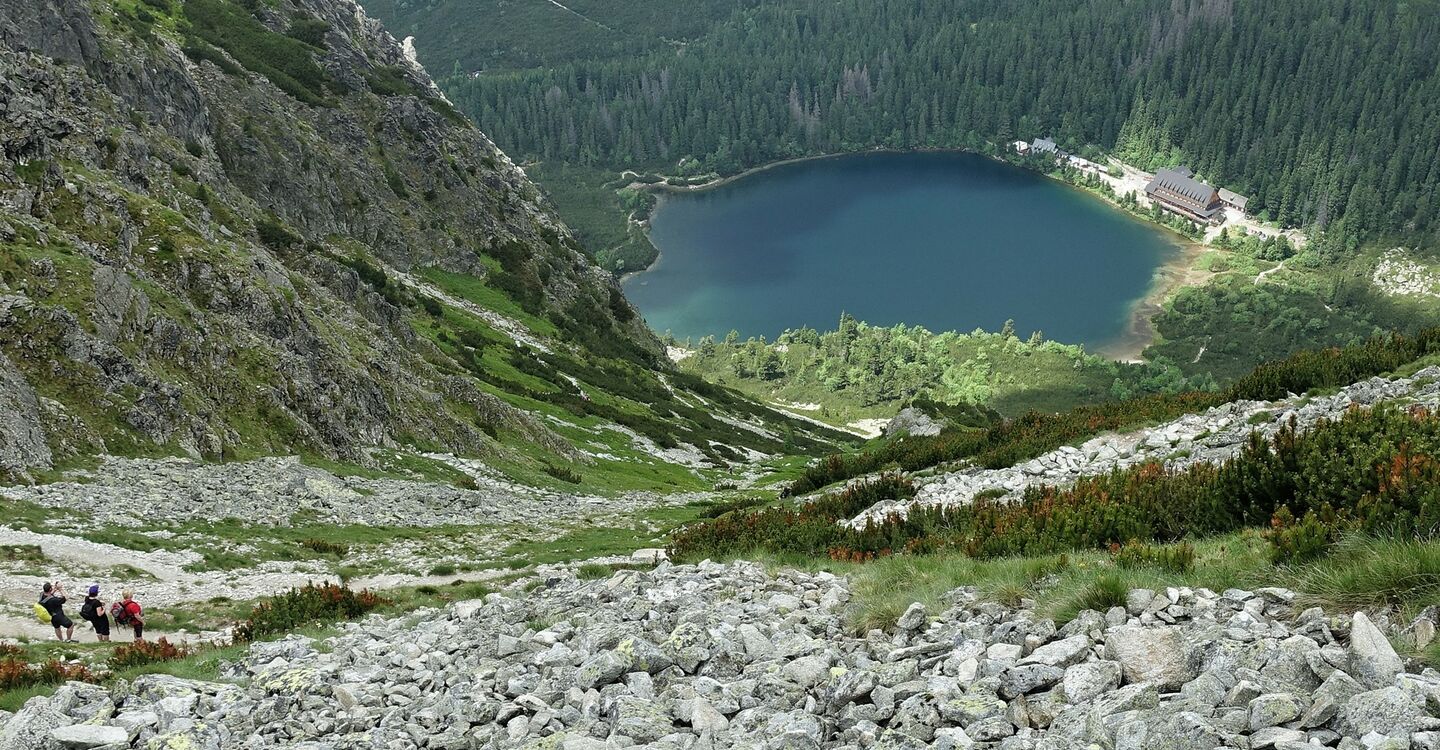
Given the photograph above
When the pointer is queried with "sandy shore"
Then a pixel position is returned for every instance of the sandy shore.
(1176, 274)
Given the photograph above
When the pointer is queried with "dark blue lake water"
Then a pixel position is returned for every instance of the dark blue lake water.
(945, 240)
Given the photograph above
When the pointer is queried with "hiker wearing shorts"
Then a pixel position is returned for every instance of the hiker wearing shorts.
(93, 612)
(52, 598)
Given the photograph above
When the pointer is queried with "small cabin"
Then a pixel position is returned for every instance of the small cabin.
(1233, 200)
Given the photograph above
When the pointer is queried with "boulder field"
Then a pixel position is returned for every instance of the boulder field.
(731, 656)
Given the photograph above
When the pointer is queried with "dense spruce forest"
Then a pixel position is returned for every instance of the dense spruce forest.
(1323, 112)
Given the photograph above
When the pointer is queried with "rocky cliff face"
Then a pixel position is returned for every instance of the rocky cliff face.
(215, 218)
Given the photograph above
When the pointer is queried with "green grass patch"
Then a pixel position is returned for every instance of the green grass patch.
(476, 290)
(1034, 433)
(1368, 572)
(1060, 585)
(587, 541)
(21, 554)
(861, 371)
(14, 700)
(593, 571)
(397, 465)
(287, 62)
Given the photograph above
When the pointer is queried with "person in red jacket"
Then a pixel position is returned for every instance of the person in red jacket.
(130, 614)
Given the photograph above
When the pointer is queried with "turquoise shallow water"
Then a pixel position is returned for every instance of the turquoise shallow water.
(945, 240)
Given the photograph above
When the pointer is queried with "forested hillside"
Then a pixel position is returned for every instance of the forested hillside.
(1321, 111)
(464, 36)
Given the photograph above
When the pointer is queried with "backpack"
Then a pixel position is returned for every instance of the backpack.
(90, 610)
(42, 614)
(117, 611)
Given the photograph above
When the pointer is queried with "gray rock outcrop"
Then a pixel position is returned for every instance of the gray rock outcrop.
(134, 492)
(912, 421)
(22, 437)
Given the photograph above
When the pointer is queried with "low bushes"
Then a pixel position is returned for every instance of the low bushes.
(810, 528)
(715, 509)
(303, 606)
(1035, 433)
(274, 235)
(1178, 558)
(287, 62)
(142, 653)
(1338, 366)
(323, 547)
(17, 674)
(562, 473)
(1370, 472)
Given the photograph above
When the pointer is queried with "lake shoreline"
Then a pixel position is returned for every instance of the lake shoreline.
(1178, 273)
(1128, 345)
(718, 182)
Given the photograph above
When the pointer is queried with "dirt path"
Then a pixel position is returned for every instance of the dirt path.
(30, 629)
(84, 552)
(1260, 277)
(579, 15)
(160, 581)
(158, 578)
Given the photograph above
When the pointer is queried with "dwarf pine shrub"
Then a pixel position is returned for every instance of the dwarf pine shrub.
(1370, 471)
(323, 547)
(18, 674)
(141, 653)
(1174, 558)
(303, 606)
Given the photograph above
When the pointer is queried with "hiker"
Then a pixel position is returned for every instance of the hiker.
(127, 612)
(93, 612)
(52, 598)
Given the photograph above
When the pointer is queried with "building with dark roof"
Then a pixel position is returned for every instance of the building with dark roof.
(1177, 191)
(1044, 146)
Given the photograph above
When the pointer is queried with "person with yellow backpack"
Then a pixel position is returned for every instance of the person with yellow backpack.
(52, 600)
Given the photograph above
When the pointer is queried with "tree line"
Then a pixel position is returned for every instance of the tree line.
(1326, 113)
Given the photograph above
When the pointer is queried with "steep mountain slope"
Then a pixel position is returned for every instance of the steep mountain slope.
(241, 227)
